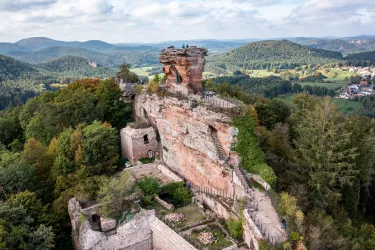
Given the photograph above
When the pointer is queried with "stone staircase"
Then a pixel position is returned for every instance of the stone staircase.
(220, 150)
(241, 175)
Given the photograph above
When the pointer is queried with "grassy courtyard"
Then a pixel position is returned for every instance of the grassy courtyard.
(192, 213)
(220, 240)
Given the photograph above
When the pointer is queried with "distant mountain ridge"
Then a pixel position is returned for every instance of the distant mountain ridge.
(37, 43)
(270, 54)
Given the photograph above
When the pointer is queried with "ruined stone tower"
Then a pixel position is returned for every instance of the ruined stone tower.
(184, 68)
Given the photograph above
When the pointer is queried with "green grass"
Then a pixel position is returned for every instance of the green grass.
(261, 73)
(143, 72)
(341, 75)
(193, 214)
(324, 84)
(347, 106)
(221, 241)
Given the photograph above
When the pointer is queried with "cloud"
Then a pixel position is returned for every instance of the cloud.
(15, 5)
(160, 20)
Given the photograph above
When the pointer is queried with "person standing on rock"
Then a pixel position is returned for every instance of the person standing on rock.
(183, 46)
(187, 46)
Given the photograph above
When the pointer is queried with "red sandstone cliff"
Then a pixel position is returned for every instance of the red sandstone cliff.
(184, 68)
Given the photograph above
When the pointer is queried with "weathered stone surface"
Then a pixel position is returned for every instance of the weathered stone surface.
(164, 204)
(189, 64)
(187, 145)
(138, 143)
(107, 224)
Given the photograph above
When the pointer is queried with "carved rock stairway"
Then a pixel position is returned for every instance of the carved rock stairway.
(241, 175)
(220, 150)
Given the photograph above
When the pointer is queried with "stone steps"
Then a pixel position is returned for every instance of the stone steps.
(242, 178)
(220, 150)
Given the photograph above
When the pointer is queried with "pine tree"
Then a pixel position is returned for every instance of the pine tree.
(325, 156)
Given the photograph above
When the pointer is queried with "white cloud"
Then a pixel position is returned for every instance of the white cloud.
(160, 20)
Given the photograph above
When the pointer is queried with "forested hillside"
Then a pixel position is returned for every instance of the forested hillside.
(335, 45)
(11, 69)
(270, 54)
(20, 81)
(50, 53)
(71, 66)
(362, 59)
(344, 46)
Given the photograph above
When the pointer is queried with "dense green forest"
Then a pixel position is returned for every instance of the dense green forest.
(362, 59)
(72, 66)
(11, 69)
(46, 54)
(324, 166)
(20, 81)
(336, 45)
(269, 54)
(112, 59)
(58, 145)
(270, 87)
(342, 46)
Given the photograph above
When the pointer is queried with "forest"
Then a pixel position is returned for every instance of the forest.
(20, 81)
(58, 145)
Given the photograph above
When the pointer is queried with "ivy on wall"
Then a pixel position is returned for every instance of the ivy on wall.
(248, 148)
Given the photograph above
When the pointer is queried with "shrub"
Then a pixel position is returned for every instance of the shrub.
(266, 172)
(149, 186)
(138, 89)
(178, 193)
(235, 228)
(113, 192)
(147, 160)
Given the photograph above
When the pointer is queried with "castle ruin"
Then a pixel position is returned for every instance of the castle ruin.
(191, 140)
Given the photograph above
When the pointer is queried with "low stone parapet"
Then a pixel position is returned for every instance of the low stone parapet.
(164, 204)
(251, 233)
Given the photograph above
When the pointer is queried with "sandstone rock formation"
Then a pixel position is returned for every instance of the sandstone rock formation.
(184, 68)
(187, 145)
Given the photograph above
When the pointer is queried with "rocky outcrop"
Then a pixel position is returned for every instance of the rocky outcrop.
(187, 146)
(184, 68)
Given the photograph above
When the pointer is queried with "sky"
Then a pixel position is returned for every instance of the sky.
(146, 21)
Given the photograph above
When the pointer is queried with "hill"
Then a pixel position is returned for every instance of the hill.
(11, 69)
(38, 43)
(72, 66)
(362, 59)
(270, 54)
(5, 48)
(335, 45)
(51, 53)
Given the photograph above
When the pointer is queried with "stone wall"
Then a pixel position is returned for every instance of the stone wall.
(186, 142)
(164, 238)
(259, 180)
(136, 143)
(221, 210)
(144, 232)
(167, 172)
(251, 233)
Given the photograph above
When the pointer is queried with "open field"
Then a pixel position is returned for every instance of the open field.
(324, 84)
(340, 77)
(345, 106)
(143, 72)
(261, 73)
